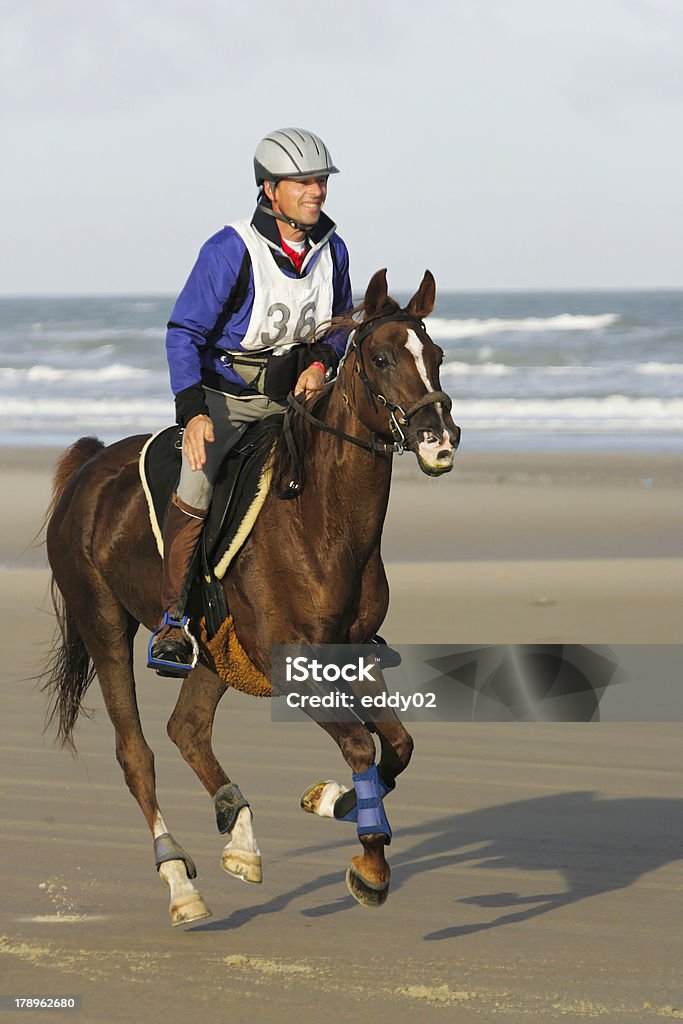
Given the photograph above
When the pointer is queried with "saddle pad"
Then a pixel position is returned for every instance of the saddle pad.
(241, 488)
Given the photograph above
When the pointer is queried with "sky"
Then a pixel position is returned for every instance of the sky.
(504, 144)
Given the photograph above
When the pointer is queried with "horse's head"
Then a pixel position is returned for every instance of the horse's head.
(397, 364)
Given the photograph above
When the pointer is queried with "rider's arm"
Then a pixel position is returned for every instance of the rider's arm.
(195, 315)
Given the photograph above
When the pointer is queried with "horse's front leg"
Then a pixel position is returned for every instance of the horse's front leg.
(329, 799)
(396, 745)
(368, 875)
(190, 728)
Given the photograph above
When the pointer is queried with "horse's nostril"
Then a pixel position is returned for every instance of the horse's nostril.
(444, 456)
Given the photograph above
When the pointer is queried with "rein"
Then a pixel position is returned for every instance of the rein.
(398, 418)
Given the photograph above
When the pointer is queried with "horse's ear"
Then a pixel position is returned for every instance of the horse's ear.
(376, 293)
(422, 302)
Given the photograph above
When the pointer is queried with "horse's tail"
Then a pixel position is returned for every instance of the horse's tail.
(71, 461)
(69, 670)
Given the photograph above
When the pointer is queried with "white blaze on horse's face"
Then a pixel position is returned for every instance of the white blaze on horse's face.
(431, 446)
(414, 346)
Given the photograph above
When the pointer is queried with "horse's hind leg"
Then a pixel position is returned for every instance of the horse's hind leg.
(190, 728)
(108, 633)
(115, 671)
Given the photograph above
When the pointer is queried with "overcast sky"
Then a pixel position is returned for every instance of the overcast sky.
(502, 143)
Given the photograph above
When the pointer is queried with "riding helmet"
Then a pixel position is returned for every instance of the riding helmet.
(291, 153)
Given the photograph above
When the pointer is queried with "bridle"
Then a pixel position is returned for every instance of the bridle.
(399, 417)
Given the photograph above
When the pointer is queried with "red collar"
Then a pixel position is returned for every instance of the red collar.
(297, 258)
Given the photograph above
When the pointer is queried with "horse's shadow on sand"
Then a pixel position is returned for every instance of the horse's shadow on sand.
(597, 846)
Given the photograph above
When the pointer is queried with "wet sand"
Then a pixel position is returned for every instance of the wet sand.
(537, 869)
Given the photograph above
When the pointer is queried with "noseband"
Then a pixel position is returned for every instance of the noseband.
(398, 416)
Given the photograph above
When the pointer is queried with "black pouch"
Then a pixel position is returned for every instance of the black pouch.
(283, 371)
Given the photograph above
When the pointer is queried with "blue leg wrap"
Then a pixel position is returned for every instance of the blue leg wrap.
(352, 797)
(370, 790)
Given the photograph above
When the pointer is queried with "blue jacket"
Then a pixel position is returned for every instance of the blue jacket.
(204, 323)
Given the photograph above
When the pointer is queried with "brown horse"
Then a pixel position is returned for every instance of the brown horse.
(310, 571)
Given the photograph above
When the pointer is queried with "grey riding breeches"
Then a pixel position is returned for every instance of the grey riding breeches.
(230, 417)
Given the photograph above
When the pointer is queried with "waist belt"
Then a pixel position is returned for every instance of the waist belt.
(272, 374)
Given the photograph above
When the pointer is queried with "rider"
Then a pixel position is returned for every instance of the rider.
(240, 338)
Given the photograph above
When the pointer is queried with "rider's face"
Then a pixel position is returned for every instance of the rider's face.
(301, 201)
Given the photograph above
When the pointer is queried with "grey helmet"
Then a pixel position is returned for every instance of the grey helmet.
(291, 153)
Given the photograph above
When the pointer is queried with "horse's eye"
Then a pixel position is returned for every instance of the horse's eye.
(380, 360)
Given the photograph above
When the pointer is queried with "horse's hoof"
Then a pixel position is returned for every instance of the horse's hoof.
(246, 866)
(368, 894)
(321, 797)
(188, 908)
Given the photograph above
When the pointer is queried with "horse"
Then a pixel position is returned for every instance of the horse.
(310, 571)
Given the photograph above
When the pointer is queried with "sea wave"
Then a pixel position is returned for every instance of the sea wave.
(48, 333)
(483, 368)
(91, 412)
(659, 369)
(116, 371)
(449, 330)
(455, 368)
(614, 412)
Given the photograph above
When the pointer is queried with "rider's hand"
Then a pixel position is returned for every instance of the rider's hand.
(309, 381)
(197, 431)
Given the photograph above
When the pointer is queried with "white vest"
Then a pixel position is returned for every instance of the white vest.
(286, 310)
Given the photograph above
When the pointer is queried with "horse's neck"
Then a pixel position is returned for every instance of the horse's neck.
(349, 484)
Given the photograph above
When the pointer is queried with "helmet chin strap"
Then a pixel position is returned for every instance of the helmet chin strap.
(306, 228)
(264, 203)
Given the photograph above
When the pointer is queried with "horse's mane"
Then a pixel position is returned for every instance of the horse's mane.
(350, 320)
(274, 447)
(302, 430)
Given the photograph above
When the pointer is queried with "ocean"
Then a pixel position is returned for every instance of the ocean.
(562, 370)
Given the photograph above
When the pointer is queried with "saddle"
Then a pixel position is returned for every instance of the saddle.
(241, 488)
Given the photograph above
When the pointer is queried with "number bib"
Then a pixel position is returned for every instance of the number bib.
(286, 310)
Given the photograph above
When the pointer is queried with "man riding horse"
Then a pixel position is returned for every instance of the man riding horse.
(240, 337)
(282, 588)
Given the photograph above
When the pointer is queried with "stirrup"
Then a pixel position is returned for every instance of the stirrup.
(174, 669)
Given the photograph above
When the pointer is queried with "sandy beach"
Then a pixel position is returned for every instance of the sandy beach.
(537, 869)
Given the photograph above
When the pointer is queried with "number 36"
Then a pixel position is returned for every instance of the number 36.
(305, 325)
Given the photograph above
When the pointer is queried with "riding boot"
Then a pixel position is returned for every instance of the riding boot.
(172, 642)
